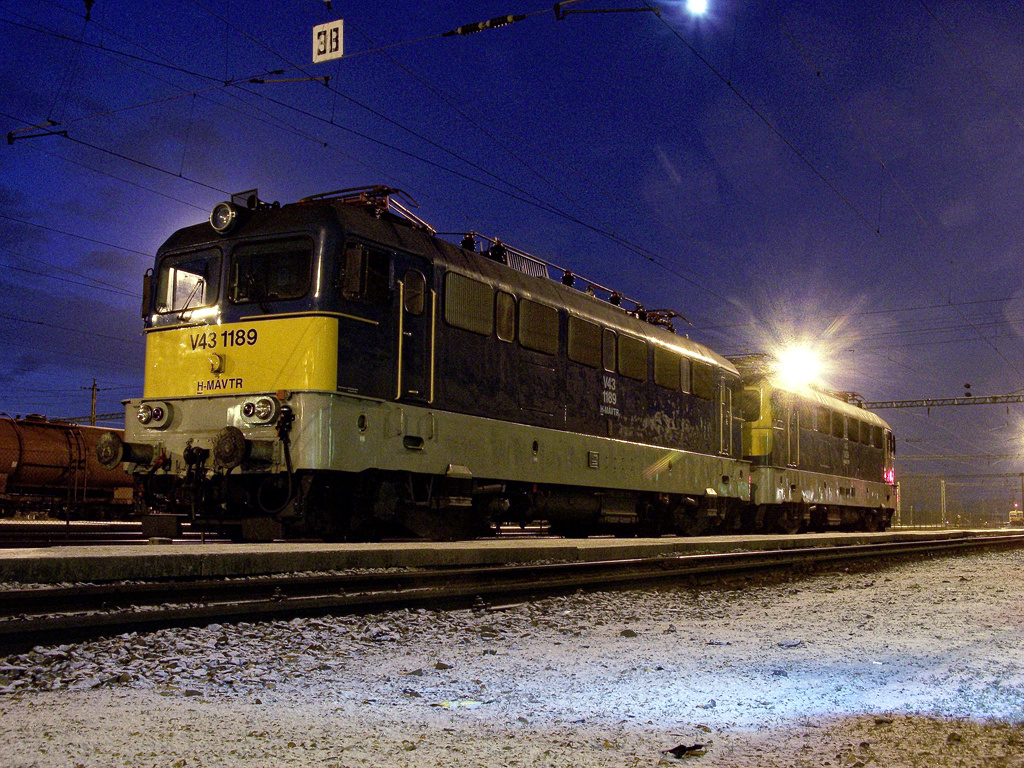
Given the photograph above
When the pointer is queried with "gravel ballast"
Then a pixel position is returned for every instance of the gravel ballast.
(918, 663)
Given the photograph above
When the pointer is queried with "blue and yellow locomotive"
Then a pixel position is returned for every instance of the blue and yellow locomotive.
(332, 367)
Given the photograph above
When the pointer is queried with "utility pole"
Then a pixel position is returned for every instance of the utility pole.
(92, 408)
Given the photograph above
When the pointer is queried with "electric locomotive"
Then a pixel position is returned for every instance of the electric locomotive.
(818, 461)
(332, 367)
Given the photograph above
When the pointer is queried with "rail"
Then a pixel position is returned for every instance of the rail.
(34, 616)
(23, 534)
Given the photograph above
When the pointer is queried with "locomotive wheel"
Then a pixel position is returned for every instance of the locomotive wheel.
(693, 523)
(445, 524)
(787, 521)
(873, 521)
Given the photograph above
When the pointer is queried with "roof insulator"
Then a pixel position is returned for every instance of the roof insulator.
(480, 26)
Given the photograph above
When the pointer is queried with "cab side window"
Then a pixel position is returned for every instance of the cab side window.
(366, 273)
(415, 292)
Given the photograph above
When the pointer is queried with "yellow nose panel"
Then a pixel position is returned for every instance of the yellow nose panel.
(265, 355)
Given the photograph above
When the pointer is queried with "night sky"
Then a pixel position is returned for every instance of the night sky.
(848, 175)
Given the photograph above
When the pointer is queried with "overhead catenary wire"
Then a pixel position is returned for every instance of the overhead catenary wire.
(514, 191)
(229, 94)
(522, 196)
(897, 251)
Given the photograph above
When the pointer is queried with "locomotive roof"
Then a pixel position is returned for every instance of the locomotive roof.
(836, 404)
(452, 257)
(383, 226)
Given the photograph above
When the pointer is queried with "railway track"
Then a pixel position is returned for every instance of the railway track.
(56, 615)
(23, 534)
(18, 534)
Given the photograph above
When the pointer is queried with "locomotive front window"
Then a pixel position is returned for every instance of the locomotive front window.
(188, 281)
(275, 271)
(749, 402)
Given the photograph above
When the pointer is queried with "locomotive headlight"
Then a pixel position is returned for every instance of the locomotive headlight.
(225, 217)
(154, 415)
(265, 408)
(262, 410)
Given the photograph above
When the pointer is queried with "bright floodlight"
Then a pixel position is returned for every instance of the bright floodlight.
(798, 367)
(697, 7)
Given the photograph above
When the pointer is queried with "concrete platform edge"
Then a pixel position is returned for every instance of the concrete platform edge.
(57, 565)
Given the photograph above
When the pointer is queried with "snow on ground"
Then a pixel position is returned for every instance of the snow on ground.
(920, 663)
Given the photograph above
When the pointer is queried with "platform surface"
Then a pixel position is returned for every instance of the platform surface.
(194, 560)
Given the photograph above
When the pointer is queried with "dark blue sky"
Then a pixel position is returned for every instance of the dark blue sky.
(843, 173)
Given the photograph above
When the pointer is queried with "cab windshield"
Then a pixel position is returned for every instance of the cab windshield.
(188, 281)
(275, 271)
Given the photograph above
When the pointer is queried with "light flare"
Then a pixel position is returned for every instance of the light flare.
(799, 366)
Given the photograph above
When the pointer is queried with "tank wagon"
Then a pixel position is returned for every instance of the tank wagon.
(333, 367)
(50, 469)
